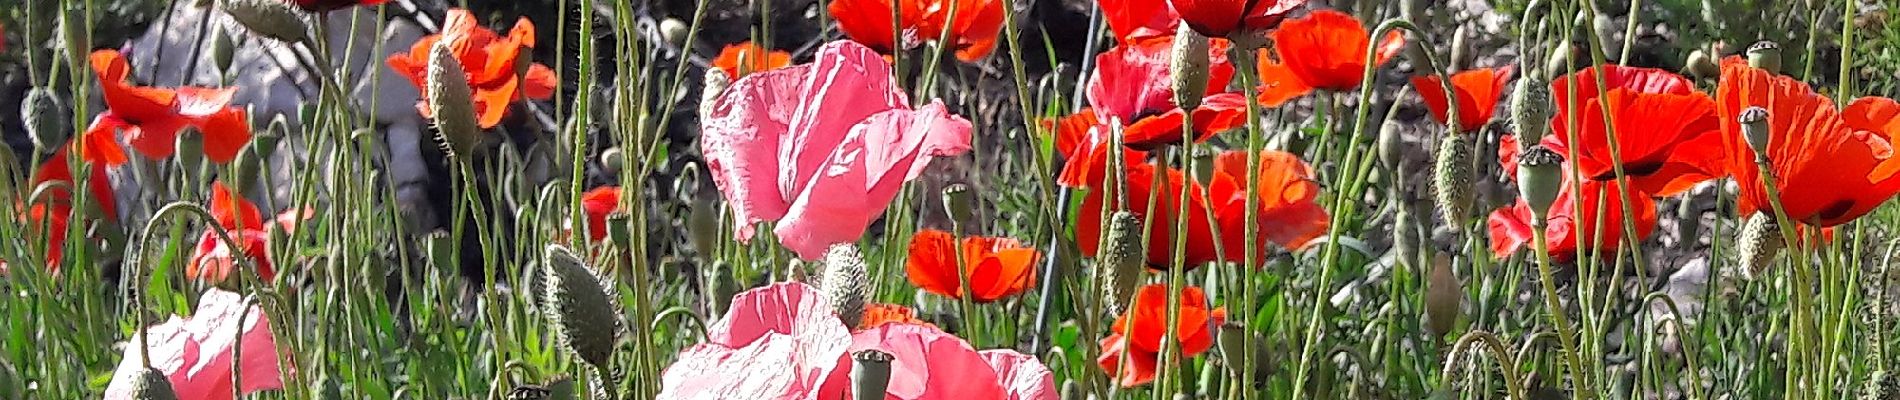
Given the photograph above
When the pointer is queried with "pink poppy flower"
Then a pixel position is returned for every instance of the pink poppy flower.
(788, 328)
(822, 148)
(195, 352)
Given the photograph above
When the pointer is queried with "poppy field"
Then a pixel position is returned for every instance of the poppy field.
(948, 199)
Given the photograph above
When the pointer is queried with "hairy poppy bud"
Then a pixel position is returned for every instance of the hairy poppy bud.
(1444, 297)
(1755, 129)
(702, 223)
(1701, 65)
(76, 36)
(190, 145)
(1406, 236)
(959, 202)
(452, 101)
(674, 31)
(1558, 63)
(1121, 260)
(1760, 242)
(1765, 55)
(1451, 178)
(610, 160)
(149, 384)
(1539, 180)
(1232, 344)
(223, 50)
(1460, 49)
(845, 282)
(723, 285)
(273, 19)
(41, 113)
(1391, 145)
(870, 374)
(578, 307)
(620, 229)
(1530, 110)
(1880, 385)
(1187, 65)
(715, 84)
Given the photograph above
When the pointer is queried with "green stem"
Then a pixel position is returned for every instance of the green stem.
(1565, 335)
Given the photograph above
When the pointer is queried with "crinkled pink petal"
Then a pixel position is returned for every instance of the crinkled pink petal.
(846, 84)
(786, 328)
(195, 353)
(1023, 376)
(740, 139)
(930, 364)
(864, 173)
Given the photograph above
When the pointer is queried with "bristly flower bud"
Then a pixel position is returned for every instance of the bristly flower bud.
(702, 223)
(1765, 55)
(674, 31)
(870, 374)
(452, 102)
(1451, 179)
(1187, 65)
(1391, 145)
(1460, 50)
(845, 282)
(190, 145)
(74, 33)
(610, 161)
(273, 19)
(1122, 257)
(959, 202)
(1760, 242)
(723, 287)
(1755, 129)
(149, 384)
(715, 84)
(1530, 109)
(44, 120)
(1444, 297)
(223, 50)
(1702, 65)
(583, 315)
(1539, 179)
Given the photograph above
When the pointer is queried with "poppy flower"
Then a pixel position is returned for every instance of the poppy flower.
(194, 352)
(490, 61)
(1082, 139)
(879, 314)
(1478, 93)
(150, 117)
(597, 204)
(757, 58)
(972, 34)
(1134, 20)
(1201, 247)
(1288, 213)
(48, 218)
(999, 267)
(1325, 50)
(1571, 228)
(822, 148)
(213, 260)
(1131, 83)
(788, 327)
(333, 5)
(1830, 166)
(1146, 324)
(1224, 18)
(1667, 132)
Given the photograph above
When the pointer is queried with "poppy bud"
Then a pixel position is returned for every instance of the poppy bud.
(674, 31)
(1880, 385)
(223, 50)
(1187, 65)
(1755, 129)
(190, 145)
(76, 35)
(1530, 110)
(578, 307)
(610, 161)
(271, 18)
(41, 113)
(1204, 157)
(247, 166)
(1539, 180)
(1451, 178)
(1405, 236)
(1460, 49)
(1121, 260)
(1444, 297)
(1232, 344)
(1559, 62)
(724, 286)
(1765, 55)
(1759, 244)
(870, 374)
(845, 284)
(959, 202)
(715, 84)
(619, 230)
(1391, 145)
(452, 101)
(149, 384)
(703, 221)
(1701, 65)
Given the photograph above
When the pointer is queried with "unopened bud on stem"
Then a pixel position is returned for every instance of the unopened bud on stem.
(1187, 65)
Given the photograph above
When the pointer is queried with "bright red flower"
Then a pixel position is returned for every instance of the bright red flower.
(1201, 247)
(1132, 85)
(488, 59)
(48, 218)
(757, 58)
(1133, 20)
(1325, 50)
(150, 117)
(999, 267)
(214, 261)
(1224, 18)
(1568, 225)
(333, 5)
(1666, 131)
(1830, 166)
(598, 204)
(1478, 93)
(1146, 324)
(972, 33)
(1288, 213)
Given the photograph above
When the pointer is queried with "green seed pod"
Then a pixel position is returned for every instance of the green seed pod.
(579, 308)
(870, 374)
(270, 18)
(1759, 243)
(149, 384)
(1539, 179)
(453, 103)
(1444, 297)
(715, 83)
(1755, 130)
(190, 145)
(1232, 344)
(1451, 179)
(1765, 55)
(723, 287)
(1530, 110)
(845, 282)
(44, 120)
(959, 202)
(1187, 66)
(223, 50)
(1702, 65)
(620, 229)
(1123, 256)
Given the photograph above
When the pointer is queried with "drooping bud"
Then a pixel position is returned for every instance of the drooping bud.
(1460, 49)
(223, 50)
(578, 307)
(1391, 145)
(1122, 257)
(723, 287)
(1702, 65)
(1451, 178)
(1530, 109)
(1406, 237)
(44, 119)
(1559, 62)
(611, 162)
(1755, 129)
(959, 202)
(702, 223)
(674, 31)
(148, 384)
(1759, 243)
(870, 374)
(1765, 55)
(1187, 65)
(715, 83)
(452, 102)
(845, 282)
(270, 18)
(1539, 179)
(76, 35)
(1444, 297)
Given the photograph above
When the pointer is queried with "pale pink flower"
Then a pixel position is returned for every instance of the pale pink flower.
(195, 352)
(822, 148)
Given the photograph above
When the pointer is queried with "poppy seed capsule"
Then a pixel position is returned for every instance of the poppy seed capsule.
(1451, 179)
(189, 145)
(1701, 65)
(1754, 122)
(452, 102)
(1530, 110)
(1187, 65)
(1539, 180)
(1444, 298)
(620, 229)
(845, 284)
(959, 203)
(1232, 344)
(1760, 242)
(223, 50)
(271, 18)
(1765, 55)
(150, 384)
(583, 315)
(1121, 260)
(41, 114)
(870, 374)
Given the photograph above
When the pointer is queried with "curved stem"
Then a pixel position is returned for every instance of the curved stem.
(1507, 363)
(1688, 352)
(699, 323)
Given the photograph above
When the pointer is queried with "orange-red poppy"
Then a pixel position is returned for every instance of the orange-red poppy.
(597, 204)
(1224, 18)
(1478, 93)
(490, 62)
(333, 5)
(150, 117)
(1830, 166)
(213, 260)
(49, 216)
(998, 267)
(756, 58)
(1082, 140)
(1288, 213)
(1131, 84)
(1146, 324)
(1133, 20)
(1667, 132)
(1325, 50)
(1571, 228)
(1201, 246)
(972, 33)
(880, 314)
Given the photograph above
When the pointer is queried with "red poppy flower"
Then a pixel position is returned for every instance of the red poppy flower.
(1288, 213)
(1133, 20)
(489, 61)
(1132, 84)
(880, 314)
(1478, 93)
(1146, 324)
(972, 34)
(999, 267)
(1830, 166)
(1223, 18)
(1666, 131)
(1083, 141)
(757, 58)
(1201, 247)
(597, 204)
(1567, 223)
(213, 260)
(333, 5)
(1324, 50)
(48, 218)
(150, 117)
